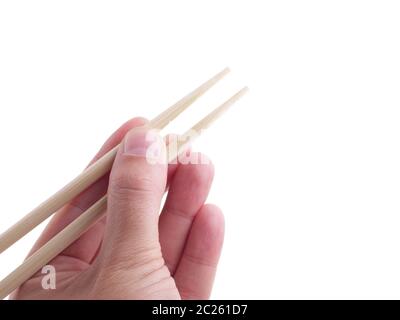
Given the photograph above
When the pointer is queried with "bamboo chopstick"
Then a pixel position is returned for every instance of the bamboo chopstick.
(76, 228)
(95, 171)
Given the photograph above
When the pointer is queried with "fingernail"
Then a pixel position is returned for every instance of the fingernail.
(143, 143)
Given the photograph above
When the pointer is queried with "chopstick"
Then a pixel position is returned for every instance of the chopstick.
(81, 224)
(95, 171)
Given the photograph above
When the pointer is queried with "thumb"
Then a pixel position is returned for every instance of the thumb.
(137, 184)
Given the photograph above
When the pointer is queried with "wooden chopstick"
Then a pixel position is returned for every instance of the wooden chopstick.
(95, 171)
(81, 224)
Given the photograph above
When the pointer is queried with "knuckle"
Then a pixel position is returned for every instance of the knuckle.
(200, 261)
(147, 257)
(126, 183)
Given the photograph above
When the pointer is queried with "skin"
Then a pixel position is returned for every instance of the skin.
(135, 252)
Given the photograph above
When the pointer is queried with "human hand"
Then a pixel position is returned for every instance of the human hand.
(133, 252)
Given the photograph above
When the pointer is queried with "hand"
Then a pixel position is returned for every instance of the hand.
(133, 252)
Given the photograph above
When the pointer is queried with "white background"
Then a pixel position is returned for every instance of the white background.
(307, 165)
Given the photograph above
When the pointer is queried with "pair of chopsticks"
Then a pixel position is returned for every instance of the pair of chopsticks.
(98, 169)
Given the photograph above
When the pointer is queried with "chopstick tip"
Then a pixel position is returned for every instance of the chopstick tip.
(242, 91)
(222, 73)
(226, 70)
